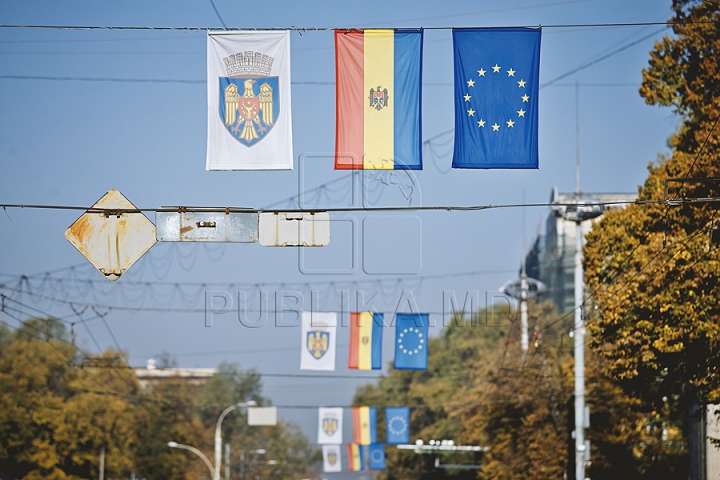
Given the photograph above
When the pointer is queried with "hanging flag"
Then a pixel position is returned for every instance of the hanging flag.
(364, 425)
(318, 337)
(377, 117)
(411, 351)
(331, 458)
(365, 340)
(248, 84)
(376, 452)
(330, 425)
(497, 71)
(356, 457)
(397, 422)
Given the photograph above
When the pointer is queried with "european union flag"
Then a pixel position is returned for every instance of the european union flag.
(377, 456)
(411, 341)
(397, 421)
(497, 71)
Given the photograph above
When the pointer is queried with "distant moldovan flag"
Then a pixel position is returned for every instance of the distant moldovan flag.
(497, 71)
(411, 343)
(318, 340)
(332, 460)
(376, 454)
(365, 341)
(378, 75)
(397, 422)
(248, 85)
(364, 425)
(330, 425)
(356, 457)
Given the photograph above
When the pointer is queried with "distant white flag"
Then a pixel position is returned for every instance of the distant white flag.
(249, 117)
(331, 458)
(330, 425)
(318, 339)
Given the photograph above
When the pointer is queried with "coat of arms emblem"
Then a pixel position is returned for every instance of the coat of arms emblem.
(249, 97)
(332, 458)
(378, 98)
(330, 425)
(317, 343)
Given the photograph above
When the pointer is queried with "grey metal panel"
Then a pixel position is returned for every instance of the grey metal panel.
(232, 227)
(294, 229)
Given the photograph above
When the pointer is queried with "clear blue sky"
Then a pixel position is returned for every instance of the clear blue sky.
(66, 140)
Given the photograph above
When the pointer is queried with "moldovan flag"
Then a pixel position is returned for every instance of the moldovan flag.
(497, 73)
(397, 421)
(365, 341)
(331, 458)
(356, 457)
(378, 75)
(330, 425)
(318, 339)
(248, 86)
(364, 425)
(411, 336)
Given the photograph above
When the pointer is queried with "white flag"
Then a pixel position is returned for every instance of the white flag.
(249, 117)
(330, 425)
(331, 458)
(318, 339)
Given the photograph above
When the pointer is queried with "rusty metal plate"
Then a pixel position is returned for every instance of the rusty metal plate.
(287, 229)
(235, 227)
(112, 241)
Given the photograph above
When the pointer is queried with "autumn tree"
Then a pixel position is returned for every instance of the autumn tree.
(652, 268)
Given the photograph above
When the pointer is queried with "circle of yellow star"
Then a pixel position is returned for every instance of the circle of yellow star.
(525, 98)
(481, 123)
(496, 127)
(471, 113)
(471, 83)
(521, 83)
(481, 72)
(511, 73)
(510, 123)
(496, 68)
(467, 97)
(521, 113)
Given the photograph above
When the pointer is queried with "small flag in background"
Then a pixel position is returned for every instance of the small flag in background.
(378, 107)
(376, 452)
(411, 337)
(356, 457)
(364, 425)
(397, 420)
(497, 71)
(248, 87)
(318, 337)
(330, 425)
(365, 341)
(332, 460)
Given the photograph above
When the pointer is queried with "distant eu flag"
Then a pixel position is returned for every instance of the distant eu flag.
(397, 422)
(411, 341)
(377, 456)
(497, 71)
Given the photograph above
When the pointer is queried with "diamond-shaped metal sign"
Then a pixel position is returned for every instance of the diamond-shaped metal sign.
(112, 240)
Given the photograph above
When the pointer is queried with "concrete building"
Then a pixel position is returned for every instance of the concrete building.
(151, 373)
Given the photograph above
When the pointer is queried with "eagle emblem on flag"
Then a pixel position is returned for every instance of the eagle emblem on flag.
(378, 98)
(249, 97)
(332, 458)
(317, 343)
(330, 425)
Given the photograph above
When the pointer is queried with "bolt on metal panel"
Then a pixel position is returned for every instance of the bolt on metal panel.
(112, 240)
(289, 229)
(233, 227)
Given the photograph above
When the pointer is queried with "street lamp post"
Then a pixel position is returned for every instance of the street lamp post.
(578, 210)
(218, 434)
(195, 451)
